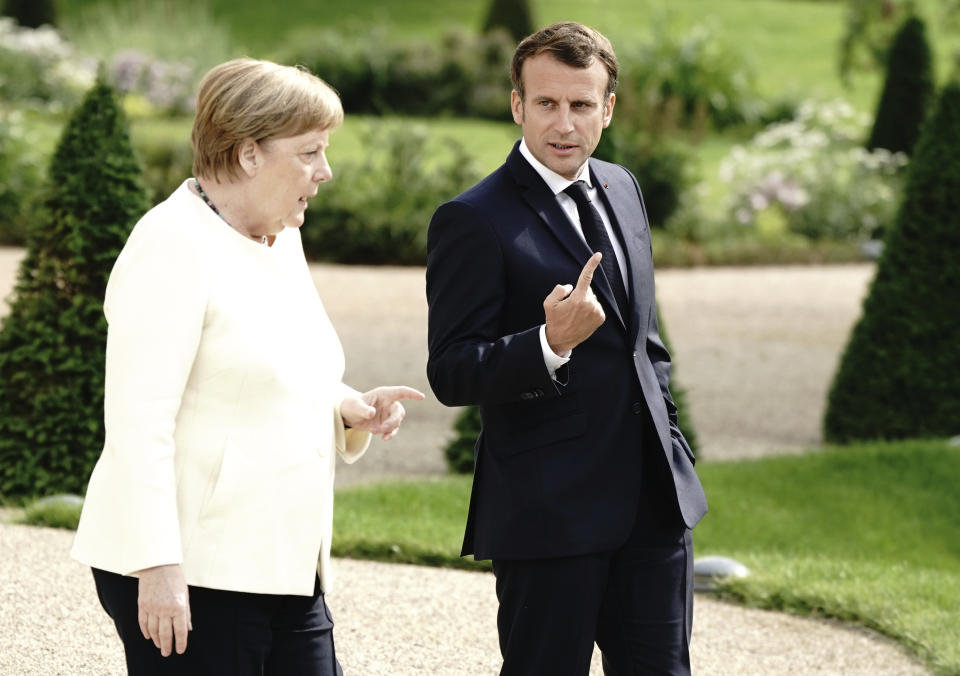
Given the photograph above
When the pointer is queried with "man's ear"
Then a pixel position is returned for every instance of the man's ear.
(516, 106)
(249, 157)
(608, 110)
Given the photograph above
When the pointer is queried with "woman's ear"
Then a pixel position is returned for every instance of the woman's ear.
(249, 157)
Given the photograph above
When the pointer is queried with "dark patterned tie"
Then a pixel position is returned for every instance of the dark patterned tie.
(596, 235)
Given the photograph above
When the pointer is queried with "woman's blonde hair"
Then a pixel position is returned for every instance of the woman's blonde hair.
(249, 99)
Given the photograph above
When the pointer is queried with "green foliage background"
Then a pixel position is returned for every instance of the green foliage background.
(53, 341)
(32, 13)
(513, 15)
(907, 90)
(898, 376)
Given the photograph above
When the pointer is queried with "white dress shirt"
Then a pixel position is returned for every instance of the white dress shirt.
(557, 185)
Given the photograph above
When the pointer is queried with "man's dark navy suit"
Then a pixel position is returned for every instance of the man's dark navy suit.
(560, 462)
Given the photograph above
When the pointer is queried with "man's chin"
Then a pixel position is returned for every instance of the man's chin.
(569, 170)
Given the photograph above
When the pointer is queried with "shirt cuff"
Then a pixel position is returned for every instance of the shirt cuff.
(552, 360)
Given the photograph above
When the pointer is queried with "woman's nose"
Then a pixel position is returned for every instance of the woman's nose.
(323, 173)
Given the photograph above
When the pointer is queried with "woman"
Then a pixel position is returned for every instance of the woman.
(210, 510)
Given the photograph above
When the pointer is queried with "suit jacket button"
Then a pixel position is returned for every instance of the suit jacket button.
(527, 395)
(637, 407)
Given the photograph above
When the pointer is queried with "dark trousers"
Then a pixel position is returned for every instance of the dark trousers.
(636, 603)
(234, 633)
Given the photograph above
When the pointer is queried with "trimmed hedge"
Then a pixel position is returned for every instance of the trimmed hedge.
(899, 374)
(907, 91)
(512, 15)
(31, 13)
(662, 167)
(53, 341)
(375, 73)
(376, 210)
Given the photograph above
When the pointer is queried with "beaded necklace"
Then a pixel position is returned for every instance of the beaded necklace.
(213, 207)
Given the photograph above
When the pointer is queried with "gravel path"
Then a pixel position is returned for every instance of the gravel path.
(397, 620)
(755, 349)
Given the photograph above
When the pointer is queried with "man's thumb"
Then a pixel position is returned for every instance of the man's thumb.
(560, 291)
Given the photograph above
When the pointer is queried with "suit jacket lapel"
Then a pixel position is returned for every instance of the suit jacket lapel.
(627, 217)
(536, 193)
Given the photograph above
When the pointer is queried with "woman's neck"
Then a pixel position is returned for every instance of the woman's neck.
(228, 199)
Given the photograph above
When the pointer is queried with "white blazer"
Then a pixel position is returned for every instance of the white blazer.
(222, 396)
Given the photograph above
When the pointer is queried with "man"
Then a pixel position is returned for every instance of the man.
(584, 491)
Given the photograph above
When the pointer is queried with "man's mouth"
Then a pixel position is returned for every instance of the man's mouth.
(562, 146)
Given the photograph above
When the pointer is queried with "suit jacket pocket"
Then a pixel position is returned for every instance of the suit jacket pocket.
(226, 487)
(545, 434)
(514, 428)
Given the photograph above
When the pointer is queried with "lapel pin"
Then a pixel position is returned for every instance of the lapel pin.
(606, 185)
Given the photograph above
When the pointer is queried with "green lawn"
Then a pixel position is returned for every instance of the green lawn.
(867, 534)
(792, 45)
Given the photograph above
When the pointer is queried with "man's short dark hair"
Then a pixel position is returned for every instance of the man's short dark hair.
(571, 43)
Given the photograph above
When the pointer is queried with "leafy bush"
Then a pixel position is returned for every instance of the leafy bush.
(31, 13)
(145, 61)
(811, 177)
(868, 29)
(56, 511)
(899, 373)
(20, 178)
(164, 150)
(466, 429)
(376, 211)
(690, 80)
(464, 74)
(871, 27)
(53, 341)
(512, 15)
(39, 68)
(907, 90)
(662, 167)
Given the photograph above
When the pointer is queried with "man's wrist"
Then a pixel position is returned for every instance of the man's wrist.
(551, 359)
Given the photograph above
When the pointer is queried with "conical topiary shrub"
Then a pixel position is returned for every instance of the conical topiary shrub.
(900, 373)
(907, 90)
(52, 343)
(466, 427)
(31, 13)
(513, 15)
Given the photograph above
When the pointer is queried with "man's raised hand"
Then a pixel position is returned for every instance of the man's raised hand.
(573, 313)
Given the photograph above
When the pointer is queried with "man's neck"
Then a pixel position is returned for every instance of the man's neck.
(554, 181)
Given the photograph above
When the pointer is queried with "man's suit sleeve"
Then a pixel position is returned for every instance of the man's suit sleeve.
(472, 360)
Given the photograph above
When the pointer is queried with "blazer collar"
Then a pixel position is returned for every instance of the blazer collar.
(619, 193)
(544, 203)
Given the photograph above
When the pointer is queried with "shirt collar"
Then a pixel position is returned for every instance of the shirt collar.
(554, 181)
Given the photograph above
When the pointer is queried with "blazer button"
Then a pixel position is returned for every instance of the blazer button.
(527, 395)
(637, 407)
